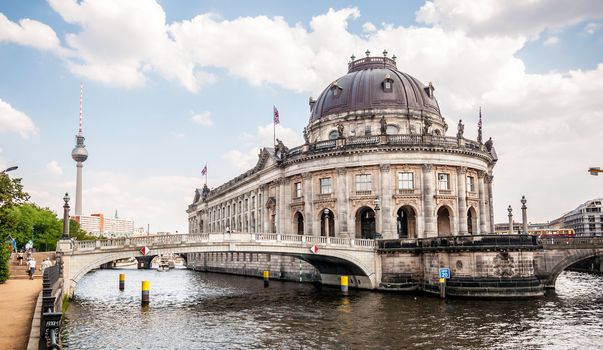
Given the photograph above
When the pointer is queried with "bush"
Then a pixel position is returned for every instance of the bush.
(4, 261)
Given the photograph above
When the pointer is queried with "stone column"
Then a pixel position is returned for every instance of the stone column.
(280, 216)
(510, 210)
(265, 216)
(489, 180)
(342, 201)
(461, 174)
(287, 226)
(327, 233)
(428, 204)
(308, 215)
(386, 200)
(482, 202)
(524, 215)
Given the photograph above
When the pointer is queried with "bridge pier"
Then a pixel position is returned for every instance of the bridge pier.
(144, 262)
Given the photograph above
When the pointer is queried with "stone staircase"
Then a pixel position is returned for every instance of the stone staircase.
(19, 272)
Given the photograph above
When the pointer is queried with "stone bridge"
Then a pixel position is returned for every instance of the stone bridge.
(481, 266)
(335, 256)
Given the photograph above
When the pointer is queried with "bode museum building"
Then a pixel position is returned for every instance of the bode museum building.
(377, 162)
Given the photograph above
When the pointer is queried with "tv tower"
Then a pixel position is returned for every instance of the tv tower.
(79, 154)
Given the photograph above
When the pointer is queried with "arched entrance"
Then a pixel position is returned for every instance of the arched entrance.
(365, 223)
(471, 221)
(298, 223)
(406, 222)
(444, 223)
(327, 223)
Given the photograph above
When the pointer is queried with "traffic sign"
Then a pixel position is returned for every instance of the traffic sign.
(314, 249)
(445, 273)
(442, 280)
(145, 250)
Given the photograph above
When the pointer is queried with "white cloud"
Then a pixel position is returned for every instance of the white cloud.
(502, 17)
(592, 27)
(246, 158)
(552, 41)
(203, 118)
(13, 120)
(160, 201)
(54, 168)
(29, 33)
(368, 27)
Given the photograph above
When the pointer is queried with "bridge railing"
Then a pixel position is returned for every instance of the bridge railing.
(571, 242)
(477, 241)
(159, 240)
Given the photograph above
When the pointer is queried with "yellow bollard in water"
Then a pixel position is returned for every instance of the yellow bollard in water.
(344, 284)
(266, 278)
(122, 281)
(146, 287)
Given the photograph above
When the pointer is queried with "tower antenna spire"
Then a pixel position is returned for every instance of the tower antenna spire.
(81, 107)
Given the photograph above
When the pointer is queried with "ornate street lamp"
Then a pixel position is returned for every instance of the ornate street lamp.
(65, 217)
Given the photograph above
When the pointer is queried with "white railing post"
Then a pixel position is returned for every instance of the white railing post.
(97, 244)
(352, 243)
(303, 239)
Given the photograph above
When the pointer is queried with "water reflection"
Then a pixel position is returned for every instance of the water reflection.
(193, 310)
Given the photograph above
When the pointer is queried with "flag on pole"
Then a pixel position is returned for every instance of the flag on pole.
(479, 127)
(204, 171)
(276, 120)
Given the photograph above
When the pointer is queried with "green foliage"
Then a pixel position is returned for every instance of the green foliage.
(4, 261)
(19, 220)
(11, 191)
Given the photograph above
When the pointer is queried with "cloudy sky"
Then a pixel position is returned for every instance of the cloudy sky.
(171, 85)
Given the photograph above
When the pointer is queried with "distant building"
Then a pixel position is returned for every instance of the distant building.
(586, 220)
(503, 228)
(98, 225)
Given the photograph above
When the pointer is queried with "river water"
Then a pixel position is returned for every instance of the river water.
(196, 310)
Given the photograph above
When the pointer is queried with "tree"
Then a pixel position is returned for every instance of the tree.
(4, 261)
(11, 191)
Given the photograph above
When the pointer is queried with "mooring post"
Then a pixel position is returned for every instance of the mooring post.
(146, 286)
(266, 278)
(442, 288)
(344, 284)
(122, 281)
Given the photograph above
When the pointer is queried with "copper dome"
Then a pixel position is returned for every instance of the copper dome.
(363, 89)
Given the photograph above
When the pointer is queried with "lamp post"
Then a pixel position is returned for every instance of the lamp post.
(66, 217)
(524, 214)
(9, 169)
(510, 210)
(595, 171)
(377, 209)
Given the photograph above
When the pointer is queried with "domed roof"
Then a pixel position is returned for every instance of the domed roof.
(364, 87)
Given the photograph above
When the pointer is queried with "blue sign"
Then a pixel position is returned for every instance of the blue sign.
(444, 273)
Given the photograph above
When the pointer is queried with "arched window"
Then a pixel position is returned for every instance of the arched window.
(335, 89)
(392, 130)
(333, 135)
(387, 84)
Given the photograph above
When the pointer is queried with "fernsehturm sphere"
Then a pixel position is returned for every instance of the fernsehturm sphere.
(79, 154)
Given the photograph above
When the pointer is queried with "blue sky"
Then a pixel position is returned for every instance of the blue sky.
(171, 85)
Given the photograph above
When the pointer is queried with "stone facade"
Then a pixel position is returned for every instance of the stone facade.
(363, 171)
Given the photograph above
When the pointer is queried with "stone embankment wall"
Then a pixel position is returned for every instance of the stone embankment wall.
(254, 264)
(473, 273)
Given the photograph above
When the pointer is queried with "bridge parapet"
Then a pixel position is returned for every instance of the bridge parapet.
(572, 242)
(160, 241)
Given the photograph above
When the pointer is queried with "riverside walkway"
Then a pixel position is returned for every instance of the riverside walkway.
(17, 303)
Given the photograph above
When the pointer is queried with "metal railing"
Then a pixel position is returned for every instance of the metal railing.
(477, 241)
(571, 242)
(50, 322)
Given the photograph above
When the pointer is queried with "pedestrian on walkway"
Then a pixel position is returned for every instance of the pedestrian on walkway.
(20, 258)
(31, 264)
(45, 264)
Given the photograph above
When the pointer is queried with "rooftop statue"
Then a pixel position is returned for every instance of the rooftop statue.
(460, 129)
(383, 125)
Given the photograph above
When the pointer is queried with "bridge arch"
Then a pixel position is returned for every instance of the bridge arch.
(331, 262)
(570, 259)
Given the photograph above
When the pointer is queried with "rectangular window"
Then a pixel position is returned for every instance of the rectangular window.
(246, 204)
(367, 130)
(253, 203)
(406, 181)
(325, 185)
(298, 189)
(470, 184)
(364, 182)
(591, 227)
(591, 219)
(443, 181)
